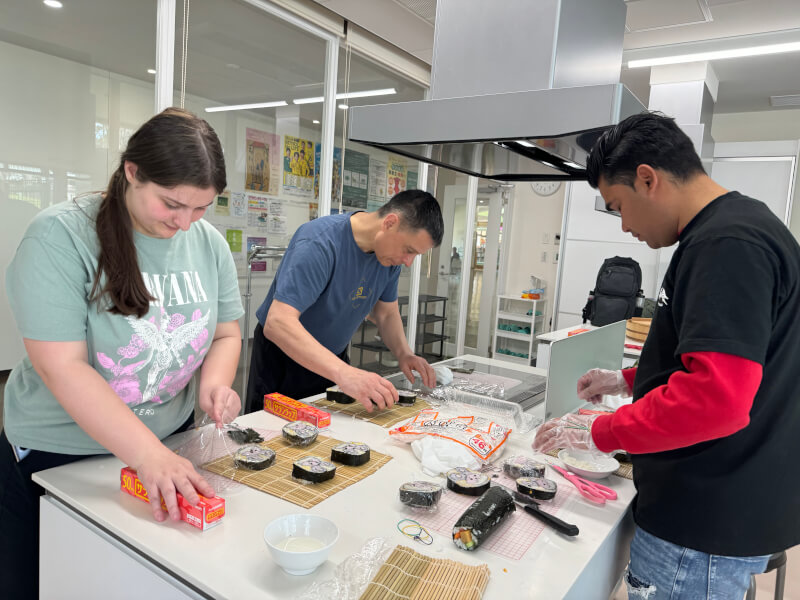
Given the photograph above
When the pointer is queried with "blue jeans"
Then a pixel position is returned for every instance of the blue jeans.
(661, 570)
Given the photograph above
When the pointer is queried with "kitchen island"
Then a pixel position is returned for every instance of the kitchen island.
(97, 541)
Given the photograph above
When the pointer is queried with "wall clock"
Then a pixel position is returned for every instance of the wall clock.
(545, 188)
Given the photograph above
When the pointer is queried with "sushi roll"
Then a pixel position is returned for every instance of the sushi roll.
(482, 518)
(466, 481)
(255, 458)
(352, 454)
(406, 397)
(334, 394)
(312, 469)
(420, 494)
(538, 487)
(300, 433)
(522, 466)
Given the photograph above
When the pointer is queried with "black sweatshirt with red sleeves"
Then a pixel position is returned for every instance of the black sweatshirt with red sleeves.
(714, 428)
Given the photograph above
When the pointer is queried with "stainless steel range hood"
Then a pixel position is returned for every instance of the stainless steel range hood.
(520, 90)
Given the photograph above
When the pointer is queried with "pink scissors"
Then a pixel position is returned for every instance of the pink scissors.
(590, 490)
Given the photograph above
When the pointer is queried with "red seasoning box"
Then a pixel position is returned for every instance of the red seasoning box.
(294, 410)
(207, 513)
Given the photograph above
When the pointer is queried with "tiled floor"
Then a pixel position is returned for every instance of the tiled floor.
(765, 583)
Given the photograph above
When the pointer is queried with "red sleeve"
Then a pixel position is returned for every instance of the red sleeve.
(629, 375)
(710, 400)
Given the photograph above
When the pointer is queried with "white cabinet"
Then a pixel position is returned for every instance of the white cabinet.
(518, 322)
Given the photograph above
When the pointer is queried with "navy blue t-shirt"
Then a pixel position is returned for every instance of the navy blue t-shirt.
(330, 280)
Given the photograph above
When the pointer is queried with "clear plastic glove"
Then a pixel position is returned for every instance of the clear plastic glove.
(595, 383)
(569, 431)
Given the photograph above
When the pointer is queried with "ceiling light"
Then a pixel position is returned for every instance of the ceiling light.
(345, 96)
(315, 122)
(53, 3)
(716, 55)
(790, 100)
(246, 106)
(343, 106)
(151, 71)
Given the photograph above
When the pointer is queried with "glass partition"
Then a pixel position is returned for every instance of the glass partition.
(76, 86)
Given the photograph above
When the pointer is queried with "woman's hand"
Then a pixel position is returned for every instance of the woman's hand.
(220, 403)
(163, 473)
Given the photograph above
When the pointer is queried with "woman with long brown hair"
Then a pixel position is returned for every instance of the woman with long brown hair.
(120, 297)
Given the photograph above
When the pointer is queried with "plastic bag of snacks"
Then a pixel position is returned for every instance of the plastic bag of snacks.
(482, 437)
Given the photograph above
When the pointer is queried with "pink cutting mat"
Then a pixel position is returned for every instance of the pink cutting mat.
(517, 533)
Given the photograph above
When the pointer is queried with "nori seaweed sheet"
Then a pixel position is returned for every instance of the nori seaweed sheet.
(483, 516)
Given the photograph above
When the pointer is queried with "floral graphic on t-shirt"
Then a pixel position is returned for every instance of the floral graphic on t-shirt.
(163, 343)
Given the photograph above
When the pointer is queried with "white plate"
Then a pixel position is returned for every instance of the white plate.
(586, 464)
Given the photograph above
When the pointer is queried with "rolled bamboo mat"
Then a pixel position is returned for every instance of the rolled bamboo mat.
(409, 575)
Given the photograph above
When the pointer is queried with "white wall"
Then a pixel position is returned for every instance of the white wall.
(766, 125)
(534, 217)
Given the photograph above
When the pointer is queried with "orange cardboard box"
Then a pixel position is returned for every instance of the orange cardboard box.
(207, 513)
(294, 410)
(576, 331)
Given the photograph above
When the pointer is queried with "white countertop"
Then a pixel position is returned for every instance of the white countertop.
(232, 561)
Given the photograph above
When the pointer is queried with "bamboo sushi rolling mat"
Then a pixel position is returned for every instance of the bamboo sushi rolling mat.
(625, 468)
(276, 480)
(514, 536)
(384, 418)
(409, 575)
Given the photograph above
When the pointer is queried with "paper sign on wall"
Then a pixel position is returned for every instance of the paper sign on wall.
(262, 161)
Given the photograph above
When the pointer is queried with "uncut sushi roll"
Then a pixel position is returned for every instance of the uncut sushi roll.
(420, 494)
(352, 454)
(255, 458)
(466, 481)
(300, 433)
(313, 469)
(482, 518)
(334, 394)
(538, 487)
(406, 397)
(522, 466)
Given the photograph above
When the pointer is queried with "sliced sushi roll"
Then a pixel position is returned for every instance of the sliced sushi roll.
(538, 487)
(255, 458)
(334, 394)
(420, 494)
(300, 433)
(313, 469)
(406, 397)
(466, 481)
(482, 518)
(352, 454)
(522, 466)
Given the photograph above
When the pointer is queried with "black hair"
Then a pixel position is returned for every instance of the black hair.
(417, 210)
(173, 148)
(649, 138)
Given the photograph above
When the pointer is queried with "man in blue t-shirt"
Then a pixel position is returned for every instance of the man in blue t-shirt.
(337, 271)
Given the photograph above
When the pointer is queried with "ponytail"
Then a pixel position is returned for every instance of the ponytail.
(124, 285)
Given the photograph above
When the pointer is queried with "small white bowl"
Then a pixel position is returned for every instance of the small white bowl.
(300, 562)
(586, 464)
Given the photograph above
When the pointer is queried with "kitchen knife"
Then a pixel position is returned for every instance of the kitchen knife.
(532, 507)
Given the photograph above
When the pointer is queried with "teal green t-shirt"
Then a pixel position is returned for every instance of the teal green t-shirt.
(148, 362)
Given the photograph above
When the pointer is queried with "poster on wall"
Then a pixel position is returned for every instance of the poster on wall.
(263, 162)
(234, 237)
(412, 181)
(313, 210)
(222, 204)
(377, 178)
(355, 176)
(257, 211)
(336, 176)
(238, 205)
(256, 265)
(276, 225)
(396, 179)
(298, 166)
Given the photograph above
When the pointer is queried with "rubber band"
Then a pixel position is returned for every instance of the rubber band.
(420, 534)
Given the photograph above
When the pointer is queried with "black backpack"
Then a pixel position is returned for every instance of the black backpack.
(615, 293)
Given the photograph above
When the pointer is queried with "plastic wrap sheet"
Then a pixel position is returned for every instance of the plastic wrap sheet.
(505, 413)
